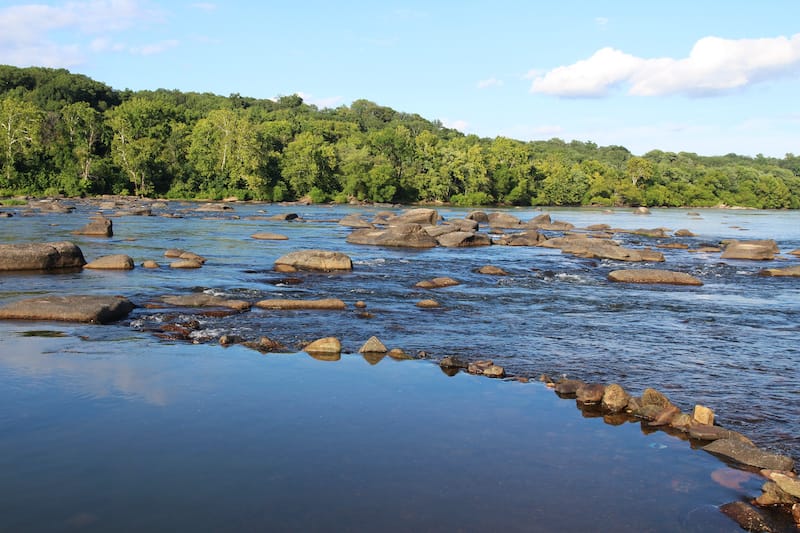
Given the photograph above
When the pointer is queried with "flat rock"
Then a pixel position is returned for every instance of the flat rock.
(757, 250)
(503, 220)
(401, 235)
(793, 272)
(286, 304)
(111, 262)
(789, 485)
(269, 237)
(749, 455)
(320, 260)
(355, 221)
(40, 256)
(653, 275)
(590, 393)
(80, 308)
(205, 300)
(590, 248)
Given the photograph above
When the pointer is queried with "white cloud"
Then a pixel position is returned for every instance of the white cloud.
(490, 82)
(323, 102)
(154, 48)
(27, 32)
(714, 65)
(460, 125)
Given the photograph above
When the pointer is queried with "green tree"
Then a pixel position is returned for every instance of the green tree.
(309, 162)
(19, 133)
(83, 127)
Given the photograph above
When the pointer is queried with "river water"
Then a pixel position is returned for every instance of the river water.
(732, 344)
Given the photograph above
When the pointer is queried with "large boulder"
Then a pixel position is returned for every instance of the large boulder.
(503, 220)
(40, 256)
(322, 260)
(758, 250)
(463, 239)
(403, 235)
(111, 262)
(653, 275)
(478, 216)
(420, 215)
(97, 227)
(81, 308)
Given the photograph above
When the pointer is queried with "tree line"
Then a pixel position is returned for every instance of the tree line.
(64, 133)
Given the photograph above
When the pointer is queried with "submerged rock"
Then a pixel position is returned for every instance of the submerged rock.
(428, 304)
(40, 256)
(583, 246)
(80, 308)
(269, 237)
(436, 283)
(492, 271)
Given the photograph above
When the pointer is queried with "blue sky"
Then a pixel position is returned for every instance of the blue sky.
(709, 77)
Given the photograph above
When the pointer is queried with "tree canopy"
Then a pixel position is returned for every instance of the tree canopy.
(64, 133)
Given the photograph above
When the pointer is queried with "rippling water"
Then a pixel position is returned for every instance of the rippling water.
(732, 344)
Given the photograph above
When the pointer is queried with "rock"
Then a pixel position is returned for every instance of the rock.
(503, 220)
(789, 485)
(98, 226)
(749, 455)
(149, 263)
(451, 361)
(283, 304)
(463, 239)
(711, 433)
(40, 256)
(655, 398)
(492, 271)
(213, 208)
(438, 231)
(185, 263)
(205, 300)
(748, 517)
(227, 340)
(527, 238)
(683, 233)
(485, 368)
(795, 252)
(759, 250)
(373, 345)
(360, 304)
(641, 211)
(399, 354)
(285, 269)
(464, 224)
(796, 514)
(174, 252)
(191, 256)
(556, 225)
(355, 221)
(793, 272)
(568, 387)
(82, 308)
(673, 246)
(772, 494)
(269, 237)
(402, 235)
(428, 304)
(539, 220)
(615, 399)
(319, 260)
(284, 217)
(583, 246)
(422, 215)
(327, 345)
(598, 227)
(111, 262)
(703, 415)
(494, 371)
(478, 216)
(590, 393)
(681, 421)
(437, 283)
(652, 275)
(264, 344)
(665, 416)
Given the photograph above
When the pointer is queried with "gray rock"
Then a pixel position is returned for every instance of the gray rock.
(98, 227)
(40, 256)
(757, 250)
(403, 235)
(503, 220)
(422, 215)
(749, 455)
(478, 216)
(321, 260)
(373, 345)
(80, 308)
(463, 239)
(205, 300)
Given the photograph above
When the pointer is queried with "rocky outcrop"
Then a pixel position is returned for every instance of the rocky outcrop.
(40, 256)
(403, 235)
(463, 239)
(500, 220)
(652, 275)
(758, 250)
(205, 300)
(80, 308)
(111, 262)
(286, 304)
(97, 227)
(319, 260)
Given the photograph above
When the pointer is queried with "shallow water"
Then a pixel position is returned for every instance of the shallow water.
(731, 344)
(115, 433)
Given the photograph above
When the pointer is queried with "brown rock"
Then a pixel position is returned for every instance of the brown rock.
(793, 272)
(174, 252)
(494, 371)
(149, 263)
(665, 416)
(749, 455)
(526, 238)
(703, 415)
(478, 216)
(402, 235)
(681, 421)
(556, 225)
(399, 354)
(615, 399)
(568, 387)
(711, 433)
(492, 271)
(451, 361)
(641, 211)
(82, 308)
(583, 246)
(684, 233)
(463, 239)
(327, 345)
(590, 393)
(503, 220)
(360, 304)
(205, 300)
(320, 260)
(98, 227)
(191, 256)
(748, 517)
(423, 216)
(436, 283)
(285, 304)
(653, 397)
(355, 221)
(111, 262)
(788, 484)
(269, 236)
(651, 275)
(758, 250)
(40, 256)
(185, 263)
(373, 345)
(428, 304)
(772, 494)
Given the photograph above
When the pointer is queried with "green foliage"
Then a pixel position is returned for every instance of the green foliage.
(64, 133)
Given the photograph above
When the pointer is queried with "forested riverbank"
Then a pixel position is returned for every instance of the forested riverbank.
(64, 133)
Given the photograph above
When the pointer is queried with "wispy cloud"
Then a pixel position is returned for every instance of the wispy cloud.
(205, 6)
(154, 48)
(321, 102)
(601, 21)
(714, 66)
(460, 125)
(490, 82)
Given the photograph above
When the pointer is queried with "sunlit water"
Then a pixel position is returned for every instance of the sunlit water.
(732, 344)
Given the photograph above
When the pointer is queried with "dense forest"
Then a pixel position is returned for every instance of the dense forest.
(64, 133)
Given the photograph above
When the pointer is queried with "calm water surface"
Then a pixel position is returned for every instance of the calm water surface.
(732, 344)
